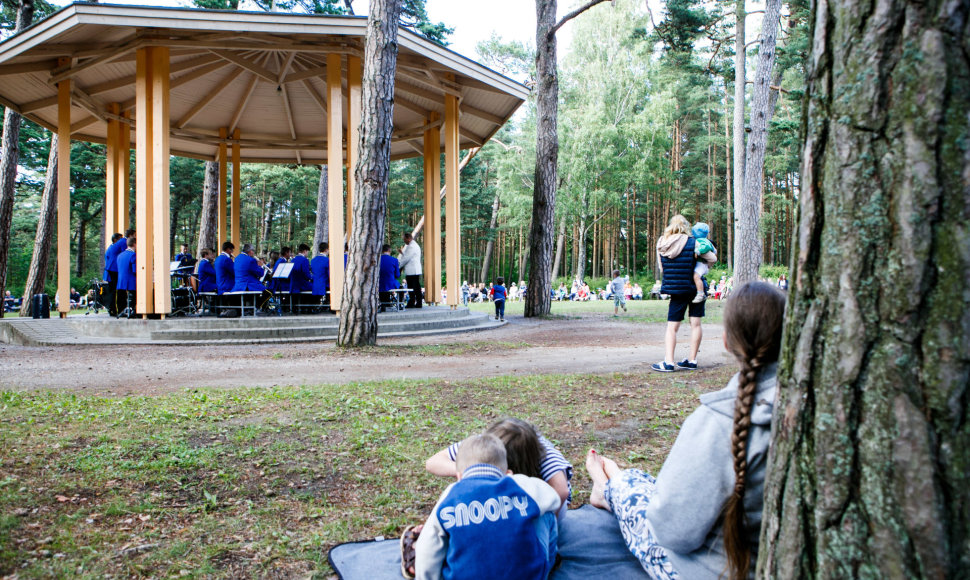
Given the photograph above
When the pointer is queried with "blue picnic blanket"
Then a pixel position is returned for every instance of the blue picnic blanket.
(590, 545)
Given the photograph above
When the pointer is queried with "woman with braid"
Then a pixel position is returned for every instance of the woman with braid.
(701, 516)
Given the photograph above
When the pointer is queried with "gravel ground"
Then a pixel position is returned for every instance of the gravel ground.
(591, 344)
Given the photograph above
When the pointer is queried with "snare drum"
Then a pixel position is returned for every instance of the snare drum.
(181, 299)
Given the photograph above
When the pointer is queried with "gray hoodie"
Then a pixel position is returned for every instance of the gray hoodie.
(698, 477)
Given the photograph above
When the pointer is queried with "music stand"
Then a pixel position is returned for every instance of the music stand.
(283, 271)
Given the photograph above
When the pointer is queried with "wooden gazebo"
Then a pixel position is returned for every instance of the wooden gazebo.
(239, 87)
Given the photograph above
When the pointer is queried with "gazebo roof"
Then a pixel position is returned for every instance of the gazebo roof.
(262, 73)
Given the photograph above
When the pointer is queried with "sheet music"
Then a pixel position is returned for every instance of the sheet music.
(283, 270)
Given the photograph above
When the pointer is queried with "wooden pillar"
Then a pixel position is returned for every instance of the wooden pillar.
(64, 195)
(432, 212)
(153, 286)
(161, 191)
(234, 220)
(452, 217)
(111, 173)
(223, 167)
(124, 177)
(335, 179)
(355, 76)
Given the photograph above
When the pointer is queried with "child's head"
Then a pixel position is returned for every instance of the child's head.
(616, 273)
(753, 320)
(523, 451)
(499, 281)
(700, 230)
(484, 448)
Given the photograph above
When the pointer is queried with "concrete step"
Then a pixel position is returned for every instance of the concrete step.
(385, 325)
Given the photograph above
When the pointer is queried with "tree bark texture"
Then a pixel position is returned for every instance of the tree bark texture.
(209, 216)
(869, 475)
(537, 302)
(321, 229)
(44, 239)
(358, 316)
(739, 106)
(490, 245)
(560, 246)
(748, 258)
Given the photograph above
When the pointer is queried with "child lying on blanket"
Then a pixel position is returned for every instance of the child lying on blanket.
(489, 524)
(527, 452)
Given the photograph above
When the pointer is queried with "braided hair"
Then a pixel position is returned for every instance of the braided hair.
(753, 320)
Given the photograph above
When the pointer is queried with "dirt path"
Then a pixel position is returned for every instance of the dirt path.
(592, 344)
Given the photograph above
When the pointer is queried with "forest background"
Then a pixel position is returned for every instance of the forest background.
(645, 132)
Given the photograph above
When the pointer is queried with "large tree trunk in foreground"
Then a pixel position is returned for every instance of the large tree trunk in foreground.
(321, 229)
(739, 149)
(46, 226)
(9, 158)
(490, 244)
(358, 317)
(537, 301)
(209, 216)
(869, 476)
(747, 260)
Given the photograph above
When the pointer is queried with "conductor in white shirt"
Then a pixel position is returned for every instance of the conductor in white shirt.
(410, 260)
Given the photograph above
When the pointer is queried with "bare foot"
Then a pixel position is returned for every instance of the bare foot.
(597, 472)
(610, 467)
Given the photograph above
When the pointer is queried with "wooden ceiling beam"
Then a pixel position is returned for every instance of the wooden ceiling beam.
(412, 107)
(26, 67)
(247, 64)
(242, 104)
(477, 140)
(205, 100)
(117, 50)
(284, 67)
(480, 114)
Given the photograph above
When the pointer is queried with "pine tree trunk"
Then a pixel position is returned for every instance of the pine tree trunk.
(868, 475)
(320, 230)
(729, 230)
(358, 313)
(267, 226)
(739, 106)
(9, 158)
(490, 245)
(538, 302)
(44, 239)
(560, 246)
(750, 254)
(209, 216)
(581, 249)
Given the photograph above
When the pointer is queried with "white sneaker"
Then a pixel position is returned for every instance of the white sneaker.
(699, 298)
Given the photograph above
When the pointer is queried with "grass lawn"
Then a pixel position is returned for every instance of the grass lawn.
(262, 482)
(638, 311)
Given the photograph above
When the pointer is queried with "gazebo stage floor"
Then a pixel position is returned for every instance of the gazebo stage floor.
(100, 329)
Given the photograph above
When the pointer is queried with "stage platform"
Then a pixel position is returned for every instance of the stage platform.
(100, 329)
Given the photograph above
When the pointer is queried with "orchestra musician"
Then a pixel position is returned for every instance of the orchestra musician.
(184, 256)
(206, 273)
(388, 274)
(248, 270)
(277, 284)
(320, 267)
(225, 272)
(119, 245)
(300, 277)
(127, 276)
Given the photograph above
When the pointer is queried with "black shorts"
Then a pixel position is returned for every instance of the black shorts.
(681, 304)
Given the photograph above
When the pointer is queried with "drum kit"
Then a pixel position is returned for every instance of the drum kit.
(183, 295)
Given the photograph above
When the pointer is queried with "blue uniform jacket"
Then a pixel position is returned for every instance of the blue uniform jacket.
(126, 270)
(248, 272)
(277, 284)
(678, 274)
(225, 273)
(207, 277)
(111, 256)
(321, 274)
(180, 256)
(389, 273)
(300, 275)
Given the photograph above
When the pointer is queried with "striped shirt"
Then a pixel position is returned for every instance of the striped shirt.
(552, 461)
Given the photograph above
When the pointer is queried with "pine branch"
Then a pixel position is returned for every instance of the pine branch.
(572, 15)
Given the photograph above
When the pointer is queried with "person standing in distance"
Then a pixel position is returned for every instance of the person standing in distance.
(676, 260)
(410, 262)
